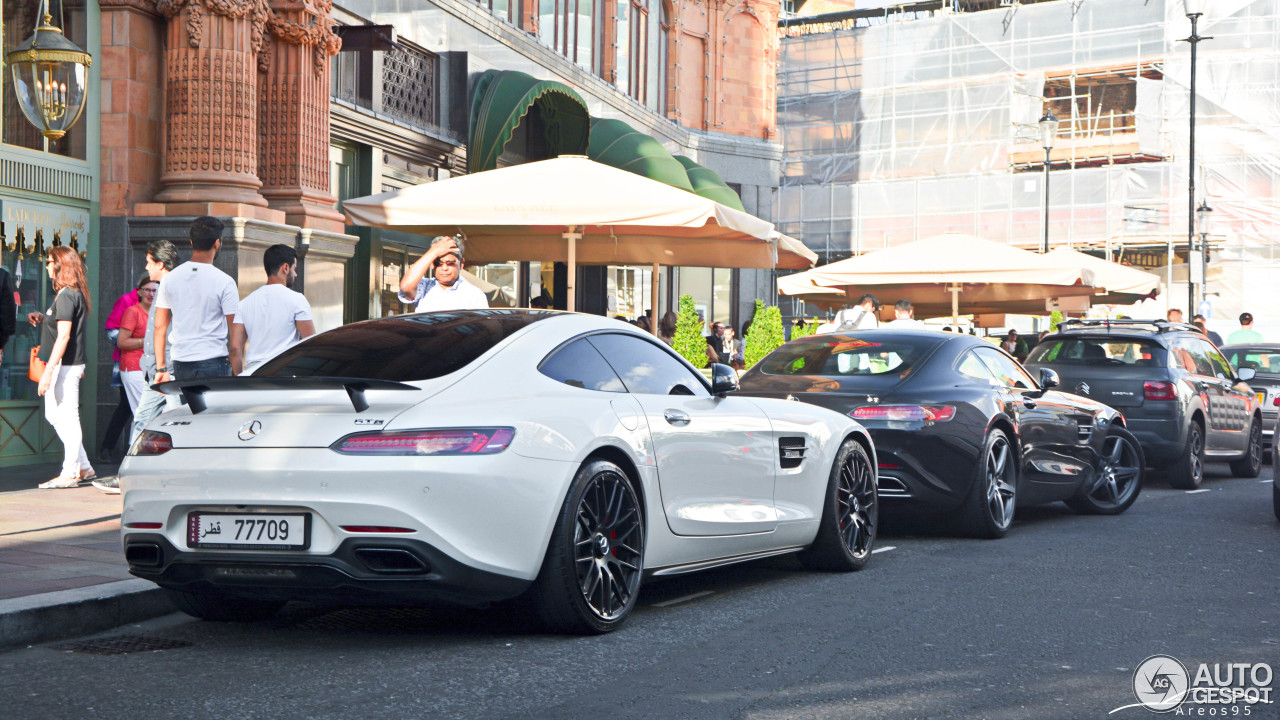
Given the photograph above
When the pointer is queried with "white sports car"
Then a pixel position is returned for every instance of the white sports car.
(478, 456)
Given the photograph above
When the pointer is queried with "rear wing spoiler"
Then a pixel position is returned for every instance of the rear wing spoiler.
(193, 391)
(1159, 325)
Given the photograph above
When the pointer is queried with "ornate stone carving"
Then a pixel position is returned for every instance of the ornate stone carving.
(256, 10)
(317, 34)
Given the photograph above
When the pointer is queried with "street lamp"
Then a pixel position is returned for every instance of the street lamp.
(1204, 218)
(1194, 9)
(50, 78)
(1048, 133)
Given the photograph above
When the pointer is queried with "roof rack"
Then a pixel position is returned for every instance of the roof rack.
(1159, 325)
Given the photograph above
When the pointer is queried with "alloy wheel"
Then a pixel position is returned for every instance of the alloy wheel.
(1120, 472)
(1255, 444)
(1195, 446)
(608, 544)
(858, 509)
(1000, 492)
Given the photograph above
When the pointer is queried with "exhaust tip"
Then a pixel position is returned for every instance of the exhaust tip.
(391, 561)
(143, 554)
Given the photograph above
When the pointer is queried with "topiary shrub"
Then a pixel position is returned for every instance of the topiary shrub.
(689, 341)
(765, 335)
(1055, 317)
(804, 329)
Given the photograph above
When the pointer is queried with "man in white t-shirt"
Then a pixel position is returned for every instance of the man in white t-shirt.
(272, 318)
(447, 290)
(862, 317)
(194, 308)
(905, 317)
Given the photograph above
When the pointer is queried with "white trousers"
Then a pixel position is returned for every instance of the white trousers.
(62, 410)
(134, 383)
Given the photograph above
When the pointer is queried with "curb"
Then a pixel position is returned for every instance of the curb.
(82, 611)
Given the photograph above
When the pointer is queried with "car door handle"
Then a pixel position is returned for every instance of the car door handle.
(676, 417)
(1028, 403)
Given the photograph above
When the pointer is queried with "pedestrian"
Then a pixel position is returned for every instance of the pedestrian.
(446, 289)
(63, 343)
(1174, 315)
(121, 416)
(716, 341)
(905, 317)
(162, 257)
(272, 318)
(1014, 345)
(667, 327)
(862, 317)
(133, 333)
(1246, 335)
(194, 309)
(539, 303)
(1214, 337)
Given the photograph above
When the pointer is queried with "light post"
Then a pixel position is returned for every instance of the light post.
(50, 76)
(1194, 9)
(1048, 133)
(1204, 218)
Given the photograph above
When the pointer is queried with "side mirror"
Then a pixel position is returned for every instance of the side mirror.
(1049, 379)
(723, 380)
(1246, 374)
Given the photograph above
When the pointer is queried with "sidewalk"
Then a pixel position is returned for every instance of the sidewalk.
(62, 573)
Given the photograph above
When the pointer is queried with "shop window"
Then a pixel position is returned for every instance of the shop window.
(20, 255)
(19, 21)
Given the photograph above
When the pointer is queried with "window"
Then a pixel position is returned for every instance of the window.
(409, 84)
(19, 21)
(1221, 367)
(1099, 351)
(1263, 360)
(633, 47)
(1194, 356)
(418, 347)
(504, 9)
(972, 367)
(580, 365)
(1007, 371)
(664, 42)
(571, 28)
(647, 369)
(848, 357)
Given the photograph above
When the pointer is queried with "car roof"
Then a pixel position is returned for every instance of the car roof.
(1267, 347)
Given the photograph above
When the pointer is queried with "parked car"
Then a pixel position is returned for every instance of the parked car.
(1275, 479)
(959, 425)
(483, 455)
(1180, 397)
(1264, 359)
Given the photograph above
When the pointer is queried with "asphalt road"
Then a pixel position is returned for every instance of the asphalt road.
(1048, 623)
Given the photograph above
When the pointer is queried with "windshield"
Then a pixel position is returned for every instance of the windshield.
(406, 348)
(849, 356)
(1264, 360)
(1098, 351)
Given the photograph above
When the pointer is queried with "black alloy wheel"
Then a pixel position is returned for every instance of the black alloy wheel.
(1250, 466)
(1187, 472)
(993, 499)
(591, 575)
(1119, 476)
(850, 514)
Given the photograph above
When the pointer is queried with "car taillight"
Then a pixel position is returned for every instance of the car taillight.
(933, 413)
(1159, 390)
(150, 442)
(447, 441)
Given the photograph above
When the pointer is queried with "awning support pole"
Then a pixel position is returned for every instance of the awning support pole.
(572, 235)
(653, 306)
(955, 306)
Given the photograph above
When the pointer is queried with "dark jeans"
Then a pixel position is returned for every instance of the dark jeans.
(120, 419)
(213, 367)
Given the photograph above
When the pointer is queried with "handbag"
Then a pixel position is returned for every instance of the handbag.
(35, 370)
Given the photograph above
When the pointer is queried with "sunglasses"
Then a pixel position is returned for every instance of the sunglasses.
(452, 263)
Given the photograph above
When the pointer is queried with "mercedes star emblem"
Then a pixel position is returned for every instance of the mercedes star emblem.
(249, 430)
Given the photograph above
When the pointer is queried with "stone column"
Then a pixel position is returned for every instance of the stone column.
(293, 113)
(211, 105)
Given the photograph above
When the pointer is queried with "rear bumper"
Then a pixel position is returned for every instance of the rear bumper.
(1163, 440)
(361, 571)
(922, 469)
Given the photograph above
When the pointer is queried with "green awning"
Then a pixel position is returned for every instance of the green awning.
(502, 100)
(709, 184)
(616, 143)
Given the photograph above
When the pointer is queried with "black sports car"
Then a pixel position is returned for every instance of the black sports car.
(958, 424)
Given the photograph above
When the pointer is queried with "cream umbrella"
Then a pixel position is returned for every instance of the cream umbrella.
(1123, 285)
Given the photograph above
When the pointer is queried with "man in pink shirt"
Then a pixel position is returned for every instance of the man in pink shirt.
(122, 415)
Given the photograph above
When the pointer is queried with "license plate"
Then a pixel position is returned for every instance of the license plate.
(249, 531)
(1262, 398)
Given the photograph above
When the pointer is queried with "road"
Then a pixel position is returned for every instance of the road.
(1048, 623)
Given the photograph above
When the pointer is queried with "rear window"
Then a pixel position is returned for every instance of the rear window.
(848, 356)
(1098, 351)
(1264, 360)
(407, 348)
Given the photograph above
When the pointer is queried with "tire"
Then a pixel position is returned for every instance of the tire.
(850, 514)
(1275, 500)
(590, 577)
(1250, 466)
(1121, 472)
(1187, 472)
(989, 510)
(221, 607)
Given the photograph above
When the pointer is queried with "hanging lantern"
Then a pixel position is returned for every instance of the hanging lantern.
(50, 78)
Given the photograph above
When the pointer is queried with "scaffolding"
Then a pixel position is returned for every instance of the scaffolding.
(898, 126)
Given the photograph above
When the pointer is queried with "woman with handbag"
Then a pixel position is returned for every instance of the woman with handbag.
(63, 345)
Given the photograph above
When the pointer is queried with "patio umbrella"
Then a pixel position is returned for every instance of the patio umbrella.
(950, 271)
(577, 211)
(1124, 285)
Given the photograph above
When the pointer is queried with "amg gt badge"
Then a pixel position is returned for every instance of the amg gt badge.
(368, 421)
(175, 422)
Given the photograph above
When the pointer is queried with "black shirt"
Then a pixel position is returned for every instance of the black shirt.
(67, 305)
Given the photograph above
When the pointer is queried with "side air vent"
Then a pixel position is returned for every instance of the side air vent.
(1084, 430)
(791, 452)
